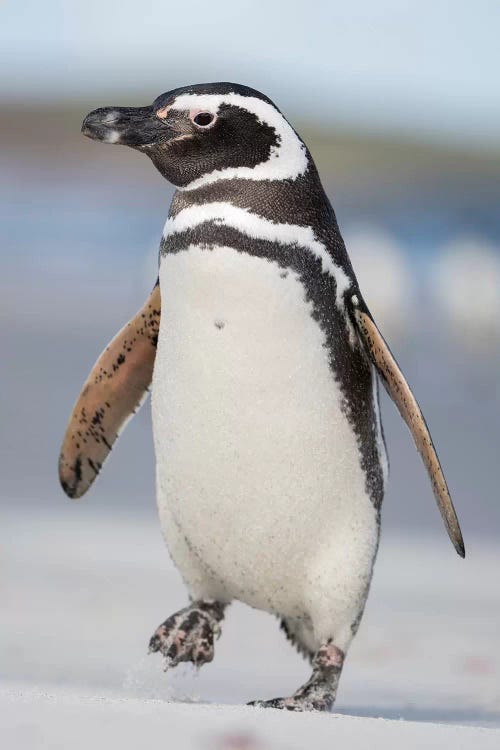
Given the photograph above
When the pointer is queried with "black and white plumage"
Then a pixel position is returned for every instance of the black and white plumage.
(271, 463)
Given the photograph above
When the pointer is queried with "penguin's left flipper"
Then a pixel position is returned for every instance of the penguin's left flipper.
(113, 392)
(400, 392)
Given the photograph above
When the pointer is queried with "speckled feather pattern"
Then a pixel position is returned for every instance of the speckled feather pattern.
(114, 390)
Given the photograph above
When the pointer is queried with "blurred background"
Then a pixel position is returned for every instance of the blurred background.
(398, 102)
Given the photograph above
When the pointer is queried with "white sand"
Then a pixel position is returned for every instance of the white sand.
(82, 593)
(61, 721)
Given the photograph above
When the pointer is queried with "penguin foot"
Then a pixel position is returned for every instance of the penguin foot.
(294, 703)
(189, 635)
(318, 694)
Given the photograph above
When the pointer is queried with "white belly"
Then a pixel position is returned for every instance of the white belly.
(260, 490)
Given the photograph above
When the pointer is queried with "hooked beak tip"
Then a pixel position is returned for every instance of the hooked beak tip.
(98, 126)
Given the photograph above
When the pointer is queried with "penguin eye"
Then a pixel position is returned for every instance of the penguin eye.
(202, 119)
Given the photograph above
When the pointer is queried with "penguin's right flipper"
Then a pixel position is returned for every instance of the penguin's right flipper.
(113, 392)
(400, 392)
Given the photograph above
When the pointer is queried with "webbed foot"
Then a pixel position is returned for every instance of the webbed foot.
(294, 703)
(318, 694)
(190, 634)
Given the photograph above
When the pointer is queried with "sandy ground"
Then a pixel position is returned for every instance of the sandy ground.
(83, 591)
(59, 721)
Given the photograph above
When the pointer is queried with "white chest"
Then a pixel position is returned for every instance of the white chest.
(258, 469)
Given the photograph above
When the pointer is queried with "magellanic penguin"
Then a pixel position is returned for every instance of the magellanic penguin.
(271, 463)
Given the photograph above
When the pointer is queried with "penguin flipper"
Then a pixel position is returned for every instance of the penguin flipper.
(400, 392)
(113, 392)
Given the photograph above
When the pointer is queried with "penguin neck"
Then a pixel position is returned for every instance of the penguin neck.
(237, 211)
(301, 201)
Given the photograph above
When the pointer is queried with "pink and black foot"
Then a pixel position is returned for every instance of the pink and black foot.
(189, 635)
(318, 694)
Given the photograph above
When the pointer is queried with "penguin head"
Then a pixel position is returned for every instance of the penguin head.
(200, 134)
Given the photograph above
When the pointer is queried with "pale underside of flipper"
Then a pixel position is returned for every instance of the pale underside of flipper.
(400, 392)
(113, 392)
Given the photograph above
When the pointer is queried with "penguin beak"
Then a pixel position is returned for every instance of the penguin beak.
(137, 127)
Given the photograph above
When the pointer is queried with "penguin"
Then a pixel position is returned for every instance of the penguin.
(264, 363)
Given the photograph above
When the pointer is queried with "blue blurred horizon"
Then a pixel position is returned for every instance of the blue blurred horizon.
(425, 69)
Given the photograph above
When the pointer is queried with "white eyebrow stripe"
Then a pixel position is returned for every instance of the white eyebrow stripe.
(287, 160)
(259, 228)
